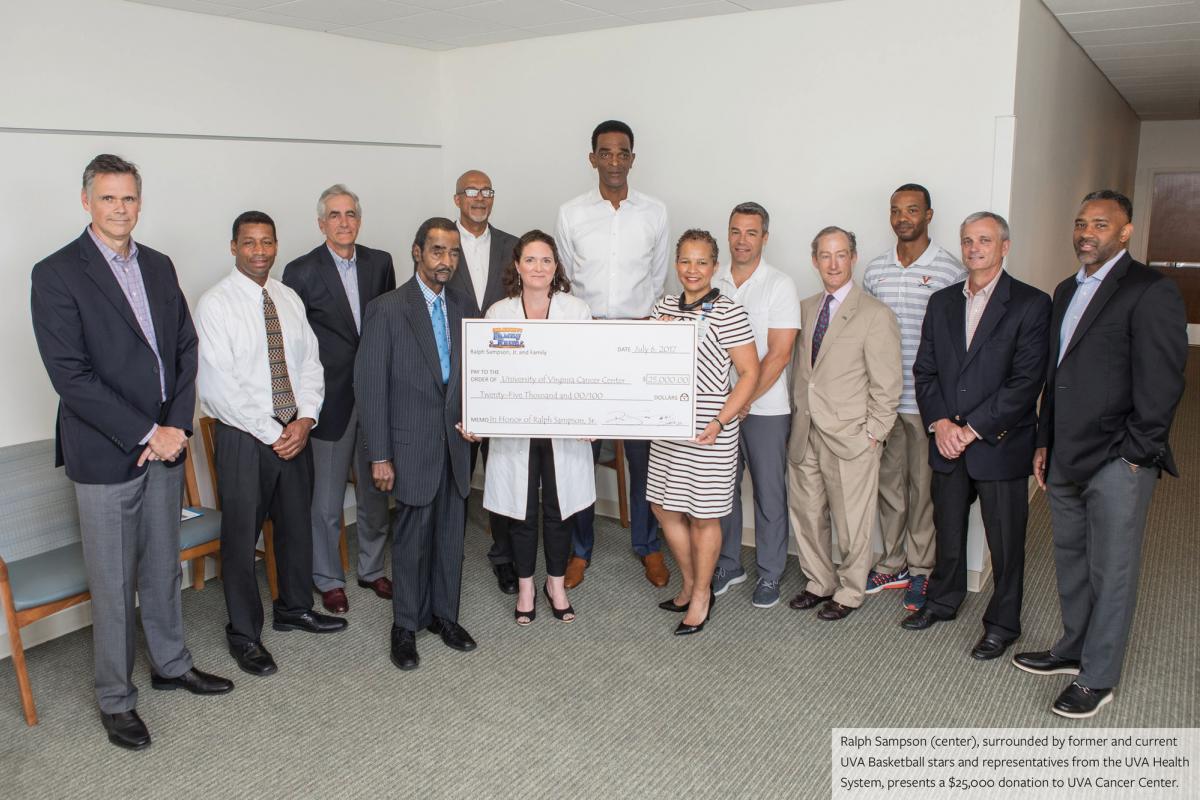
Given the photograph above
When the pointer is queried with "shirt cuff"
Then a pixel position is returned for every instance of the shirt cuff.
(150, 435)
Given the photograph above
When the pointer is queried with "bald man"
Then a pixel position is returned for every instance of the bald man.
(486, 251)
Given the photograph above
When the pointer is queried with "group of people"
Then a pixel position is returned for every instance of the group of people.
(903, 397)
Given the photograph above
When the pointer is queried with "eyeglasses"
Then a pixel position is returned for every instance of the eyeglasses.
(473, 192)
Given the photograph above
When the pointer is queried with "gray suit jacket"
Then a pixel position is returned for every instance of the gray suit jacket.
(407, 414)
(500, 257)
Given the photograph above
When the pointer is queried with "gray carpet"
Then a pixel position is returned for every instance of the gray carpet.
(610, 706)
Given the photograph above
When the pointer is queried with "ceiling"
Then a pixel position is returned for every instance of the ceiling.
(446, 24)
(1149, 49)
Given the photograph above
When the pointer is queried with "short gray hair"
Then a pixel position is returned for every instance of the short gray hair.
(979, 216)
(108, 164)
(831, 229)
(337, 190)
(753, 208)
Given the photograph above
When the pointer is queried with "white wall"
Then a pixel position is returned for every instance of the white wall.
(1074, 134)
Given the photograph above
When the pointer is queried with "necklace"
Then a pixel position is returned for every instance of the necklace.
(706, 300)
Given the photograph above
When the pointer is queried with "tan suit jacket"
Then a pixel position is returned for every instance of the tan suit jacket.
(852, 391)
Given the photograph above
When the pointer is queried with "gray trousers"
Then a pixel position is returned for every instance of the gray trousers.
(331, 469)
(1098, 529)
(763, 446)
(131, 546)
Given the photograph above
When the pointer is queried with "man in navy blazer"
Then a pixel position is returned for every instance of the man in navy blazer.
(1118, 347)
(408, 387)
(115, 335)
(336, 281)
(979, 371)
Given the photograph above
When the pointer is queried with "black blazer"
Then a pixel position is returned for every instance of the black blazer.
(500, 257)
(994, 385)
(101, 365)
(1115, 392)
(408, 415)
(315, 278)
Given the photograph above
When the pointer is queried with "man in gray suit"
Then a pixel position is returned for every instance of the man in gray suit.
(118, 343)
(407, 388)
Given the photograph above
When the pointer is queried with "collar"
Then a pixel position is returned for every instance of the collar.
(339, 261)
(467, 236)
(985, 292)
(725, 273)
(246, 286)
(1082, 277)
(634, 198)
(429, 294)
(923, 260)
(109, 254)
(840, 294)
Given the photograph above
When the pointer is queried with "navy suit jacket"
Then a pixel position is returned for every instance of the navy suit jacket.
(1115, 392)
(101, 365)
(994, 385)
(315, 278)
(408, 415)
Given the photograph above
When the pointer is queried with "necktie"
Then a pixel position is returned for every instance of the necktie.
(283, 400)
(820, 328)
(440, 334)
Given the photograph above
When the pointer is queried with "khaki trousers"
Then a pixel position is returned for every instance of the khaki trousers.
(905, 505)
(824, 487)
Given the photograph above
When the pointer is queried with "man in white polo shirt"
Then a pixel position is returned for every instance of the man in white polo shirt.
(904, 278)
(771, 300)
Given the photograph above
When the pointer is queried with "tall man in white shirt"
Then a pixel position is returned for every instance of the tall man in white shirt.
(904, 278)
(614, 246)
(486, 251)
(261, 377)
(771, 300)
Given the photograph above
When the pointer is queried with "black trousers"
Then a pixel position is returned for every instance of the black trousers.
(1005, 510)
(254, 483)
(501, 550)
(556, 531)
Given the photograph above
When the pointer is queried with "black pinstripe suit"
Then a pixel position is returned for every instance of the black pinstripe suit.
(408, 417)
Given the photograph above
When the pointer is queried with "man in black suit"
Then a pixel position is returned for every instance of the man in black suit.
(336, 281)
(408, 391)
(486, 251)
(1118, 347)
(114, 332)
(979, 371)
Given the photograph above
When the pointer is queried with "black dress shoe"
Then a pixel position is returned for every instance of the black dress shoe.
(806, 600)
(452, 634)
(671, 605)
(683, 629)
(404, 649)
(922, 619)
(194, 681)
(1080, 702)
(253, 658)
(126, 729)
(833, 611)
(309, 621)
(1044, 662)
(991, 645)
(506, 577)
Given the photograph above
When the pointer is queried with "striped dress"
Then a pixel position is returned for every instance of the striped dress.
(698, 479)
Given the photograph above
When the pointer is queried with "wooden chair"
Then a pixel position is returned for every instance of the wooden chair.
(617, 462)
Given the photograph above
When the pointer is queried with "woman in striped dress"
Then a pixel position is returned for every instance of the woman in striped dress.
(690, 483)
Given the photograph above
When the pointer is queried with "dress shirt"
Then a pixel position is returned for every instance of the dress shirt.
(477, 250)
(836, 302)
(977, 303)
(430, 298)
(616, 258)
(234, 380)
(348, 272)
(772, 302)
(1084, 293)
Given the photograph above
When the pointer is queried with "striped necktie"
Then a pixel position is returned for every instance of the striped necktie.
(820, 328)
(283, 400)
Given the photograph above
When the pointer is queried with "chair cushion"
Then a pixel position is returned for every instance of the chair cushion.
(200, 530)
(46, 577)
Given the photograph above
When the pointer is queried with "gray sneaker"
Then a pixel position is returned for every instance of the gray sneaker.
(722, 580)
(766, 593)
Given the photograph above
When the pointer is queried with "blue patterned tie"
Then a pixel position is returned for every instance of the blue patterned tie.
(440, 334)
(821, 326)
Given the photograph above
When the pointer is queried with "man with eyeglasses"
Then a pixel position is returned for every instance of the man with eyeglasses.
(614, 246)
(336, 281)
(486, 251)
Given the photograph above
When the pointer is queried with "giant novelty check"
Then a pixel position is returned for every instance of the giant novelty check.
(607, 379)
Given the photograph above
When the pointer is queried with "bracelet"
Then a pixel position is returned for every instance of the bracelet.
(720, 424)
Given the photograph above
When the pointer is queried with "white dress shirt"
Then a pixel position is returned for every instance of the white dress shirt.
(477, 250)
(616, 258)
(234, 379)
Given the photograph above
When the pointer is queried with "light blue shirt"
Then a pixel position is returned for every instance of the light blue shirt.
(430, 299)
(1084, 292)
(348, 272)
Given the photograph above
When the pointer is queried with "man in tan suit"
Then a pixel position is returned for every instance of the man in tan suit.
(846, 383)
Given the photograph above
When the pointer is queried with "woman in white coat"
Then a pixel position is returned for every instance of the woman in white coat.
(536, 287)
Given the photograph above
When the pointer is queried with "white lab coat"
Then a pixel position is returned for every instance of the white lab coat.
(506, 483)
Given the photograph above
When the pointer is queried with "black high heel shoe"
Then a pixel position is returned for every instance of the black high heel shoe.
(684, 629)
(559, 613)
(529, 616)
(671, 605)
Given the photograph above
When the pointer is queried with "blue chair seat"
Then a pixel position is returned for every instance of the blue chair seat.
(200, 530)
(47, 577)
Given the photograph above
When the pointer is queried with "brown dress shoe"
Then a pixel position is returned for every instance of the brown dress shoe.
(833, 610)
(574, 574)
(381, 586)
(806, 600)
(335, 601)
(656, 571)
